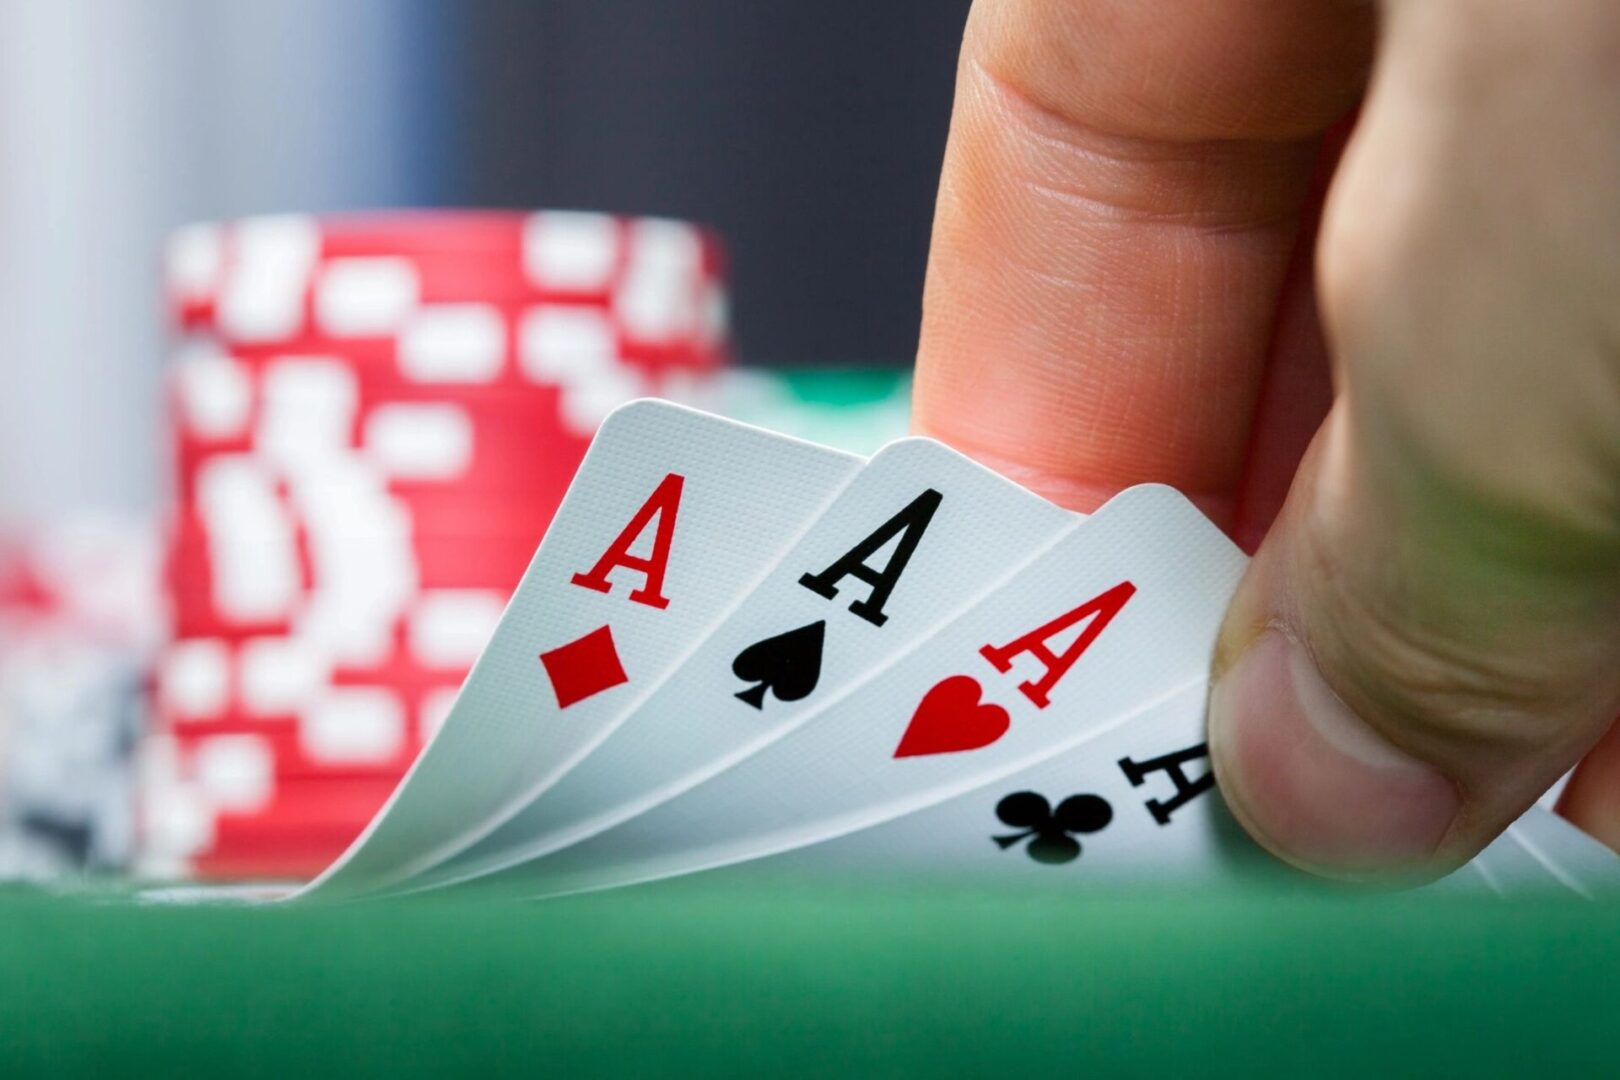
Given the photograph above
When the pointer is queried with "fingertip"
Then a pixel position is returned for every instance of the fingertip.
(1313, 782)
(1592, 800)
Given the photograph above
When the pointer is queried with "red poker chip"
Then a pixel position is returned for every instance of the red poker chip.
(247, 851)
(380, 378)
(447, 231)
(386, 354)
(602, 238)
(485, 477)
(335, 290)
(469, 357)
(302, 829)
(464, 562)
(415, 444)
(315, 802)
(192, 574)
(288, 862)
(192, 617)
(291, 756)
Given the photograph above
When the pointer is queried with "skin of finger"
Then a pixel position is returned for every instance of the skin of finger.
(1121, 193)
(1450, 553)
(1296, 391)
(1592, 799)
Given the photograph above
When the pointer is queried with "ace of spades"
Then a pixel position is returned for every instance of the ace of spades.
(787, 666)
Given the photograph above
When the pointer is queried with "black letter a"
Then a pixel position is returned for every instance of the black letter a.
(914, 520)
(1137, 772)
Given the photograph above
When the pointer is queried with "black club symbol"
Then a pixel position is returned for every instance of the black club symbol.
(1048, 831)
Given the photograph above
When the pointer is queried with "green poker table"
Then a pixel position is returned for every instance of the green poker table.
(688, 979)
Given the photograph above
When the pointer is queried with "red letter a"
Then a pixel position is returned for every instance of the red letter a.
(1100, 609)
(664, 503)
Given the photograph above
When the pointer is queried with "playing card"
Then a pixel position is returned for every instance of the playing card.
(1573, 859)
(909, 543)
(1549, 798)
(1123, 608)
(1131, 804)
(1136, 804)
(1509, 869)
(672, 516)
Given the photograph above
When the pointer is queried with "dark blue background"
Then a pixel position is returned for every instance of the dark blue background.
(808, 131)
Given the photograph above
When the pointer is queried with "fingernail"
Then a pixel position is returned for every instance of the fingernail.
(1314, 782)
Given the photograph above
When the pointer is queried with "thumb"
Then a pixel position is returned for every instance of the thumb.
(1426, 639)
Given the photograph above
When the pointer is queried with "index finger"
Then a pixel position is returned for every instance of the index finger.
(1121, 193)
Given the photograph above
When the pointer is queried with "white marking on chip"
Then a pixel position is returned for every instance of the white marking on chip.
(353, 724)
(425, 442)
(714, 308)
(194, 259)
(252, 546)
(570, 251)
(562, 343)
(364, 565)
(586, 403)
(436, 705)
(453, 343)
(266, 278)
(306, 419)
(235, 772)
(194, 678)
(215, 393)
(176, 823)
(365, 297)
(278, 675)
(450, 627)
(658, 298)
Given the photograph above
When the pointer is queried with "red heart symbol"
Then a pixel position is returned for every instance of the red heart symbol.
(950, 718)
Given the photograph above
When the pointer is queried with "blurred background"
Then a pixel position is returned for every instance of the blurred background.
(806, 133)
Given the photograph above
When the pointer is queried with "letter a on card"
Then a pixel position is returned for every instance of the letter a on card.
(663, 505)
(1100, 609)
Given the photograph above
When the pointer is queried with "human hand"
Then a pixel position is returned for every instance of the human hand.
(1123, 287)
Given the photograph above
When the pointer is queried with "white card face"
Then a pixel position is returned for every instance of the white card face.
(672, 517)
(1135, 804)
(1573, 860)
(1509, 870)
(910, 543)
(1144, 812)
(1122, 609)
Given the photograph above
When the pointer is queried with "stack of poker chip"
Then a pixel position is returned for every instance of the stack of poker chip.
(373, 419)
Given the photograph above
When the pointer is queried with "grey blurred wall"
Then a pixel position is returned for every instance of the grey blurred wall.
(119, 120)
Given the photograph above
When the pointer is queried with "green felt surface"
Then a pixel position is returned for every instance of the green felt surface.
(685, 980)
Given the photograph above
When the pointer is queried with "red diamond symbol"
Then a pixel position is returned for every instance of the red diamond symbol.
(584, 667)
